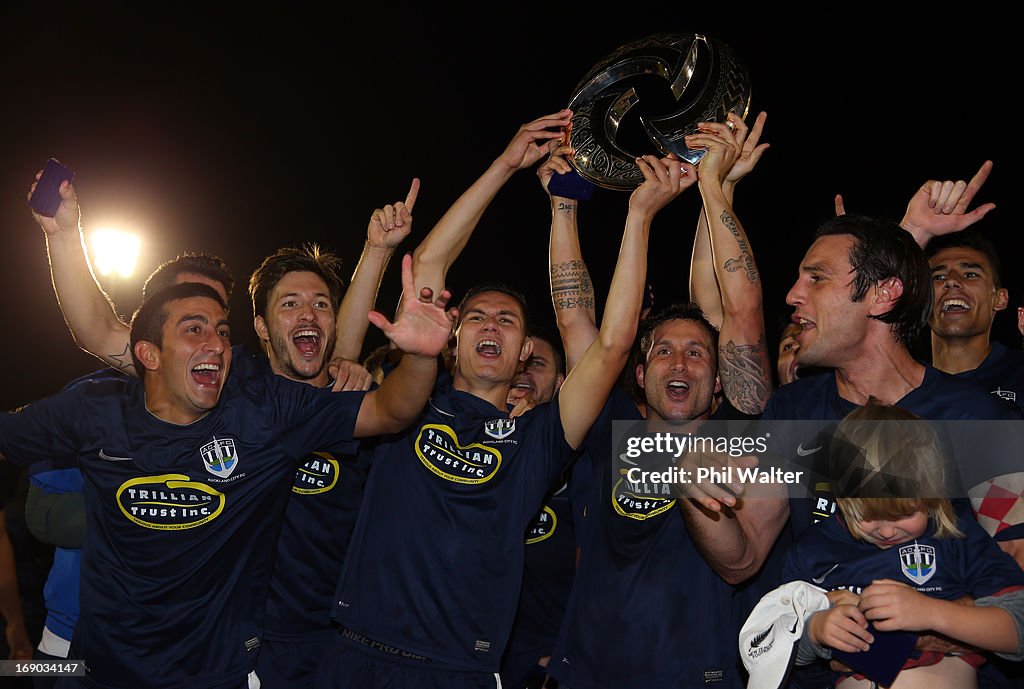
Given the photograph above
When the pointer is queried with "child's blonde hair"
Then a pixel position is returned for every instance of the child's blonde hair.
(890, 470)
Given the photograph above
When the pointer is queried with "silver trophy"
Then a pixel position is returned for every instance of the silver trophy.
(647, 95)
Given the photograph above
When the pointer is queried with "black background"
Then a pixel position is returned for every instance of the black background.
(235, 130)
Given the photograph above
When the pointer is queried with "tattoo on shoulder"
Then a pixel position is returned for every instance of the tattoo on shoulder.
(571, 287)
(745, 372)
(566, 207)
(745, 261)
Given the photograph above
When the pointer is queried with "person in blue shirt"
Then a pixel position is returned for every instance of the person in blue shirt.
(302, 322)
(429, 588)
(899, 557)
(185, 491)
(549, 561)
(641, 580)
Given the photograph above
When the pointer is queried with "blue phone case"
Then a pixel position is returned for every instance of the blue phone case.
(46, 198)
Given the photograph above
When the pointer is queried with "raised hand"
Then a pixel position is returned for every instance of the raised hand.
(556, 164)
(67, 216)
(940, 208)
(393, 223)
(664, 179)
(751, 149)
(723, 150)
(530, 143)
(424, 326)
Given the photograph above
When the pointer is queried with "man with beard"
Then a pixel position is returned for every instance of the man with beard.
(185, 490)
(296, 293)
(641, 581)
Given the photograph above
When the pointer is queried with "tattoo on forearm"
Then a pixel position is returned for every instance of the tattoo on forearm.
(745, 372)
(567, 207)
(744, 261)
(570, 286)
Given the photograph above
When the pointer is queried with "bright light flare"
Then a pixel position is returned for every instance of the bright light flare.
(114, 251)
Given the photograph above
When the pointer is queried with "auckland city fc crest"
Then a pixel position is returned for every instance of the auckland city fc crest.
(499, 429)
(918, 562)
(219, 456)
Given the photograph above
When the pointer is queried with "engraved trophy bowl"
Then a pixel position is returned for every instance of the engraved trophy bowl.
(646, 96)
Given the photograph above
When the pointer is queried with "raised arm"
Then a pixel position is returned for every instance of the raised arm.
(87, 310)
(585, 391)
(940, 208)
(704, 288)
(439, 249)
(572, 292)
(421, 331)
(743, 363)
(387, 228)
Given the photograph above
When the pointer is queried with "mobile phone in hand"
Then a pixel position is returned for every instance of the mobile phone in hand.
(46, 199)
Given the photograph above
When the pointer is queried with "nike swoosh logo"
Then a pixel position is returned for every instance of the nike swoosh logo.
(820, 580)
(803, 453)
(112, 458)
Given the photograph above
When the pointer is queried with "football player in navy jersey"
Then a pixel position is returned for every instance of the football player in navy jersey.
(550, 557)
(295, 295)
(430, 586)
(968, 295)
(641, 581)
(172, 551)
(98, 330)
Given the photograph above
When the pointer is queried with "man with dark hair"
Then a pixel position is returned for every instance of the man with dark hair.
(641, 581)
(549, 561)
(191, 266)
(541, 375)
(185, 490)
(429, 588)
(295, 294)
(862, 287)
(969, 293)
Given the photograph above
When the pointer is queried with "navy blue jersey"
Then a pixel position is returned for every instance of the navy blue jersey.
(182, 520)
(1001, 373)
(435, 562)
(828, 556)
(939, 397)
(549, 566)
(318, 523)
(645, 610)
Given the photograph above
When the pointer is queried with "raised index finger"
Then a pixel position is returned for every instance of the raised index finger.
(414, 190)
(976, 183)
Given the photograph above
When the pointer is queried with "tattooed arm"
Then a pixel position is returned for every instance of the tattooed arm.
(704, 288)
(744, 367)
(572, 293)
(437, 252)
(87, 310)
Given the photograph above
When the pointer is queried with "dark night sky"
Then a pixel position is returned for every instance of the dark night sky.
(236, 132)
